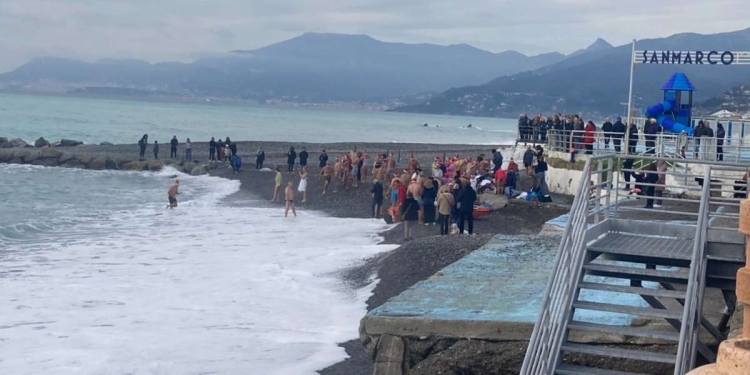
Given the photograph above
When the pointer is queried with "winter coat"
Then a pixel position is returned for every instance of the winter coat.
(466, 198)
(410, 209)
(589, 134)
(528, 158)
(429, 195)
(619, 129)
(446, 202)
(720, 136)
(633, 134)
(607, 128)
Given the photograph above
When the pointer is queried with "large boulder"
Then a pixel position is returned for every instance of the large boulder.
(85, 158)
(18, 142)
(6, 156)
(106, 144)
(154, 165)
(69, 143)
(41, 142)
(188, 167)
(111, 164)
(65, 158)
(50, 153)
(4, 143)
(199, 170)
(98, 163)
(132, 165)
(26, 156)
(46, 162)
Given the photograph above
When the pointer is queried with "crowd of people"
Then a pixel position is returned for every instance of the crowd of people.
(571, 133)
(224, 151)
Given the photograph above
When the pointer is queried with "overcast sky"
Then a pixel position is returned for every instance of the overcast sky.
(183, 30)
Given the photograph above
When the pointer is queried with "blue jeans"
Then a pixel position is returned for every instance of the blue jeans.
(189, 154)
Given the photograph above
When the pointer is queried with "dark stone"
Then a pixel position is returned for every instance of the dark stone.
(99, 163)
(50, 153)
(18, 142)
(65, 158)
(69, 143)
(6, 156)
(106, 144)
(41, 142)
(110, 164)
(4, 142)
(390, 349)
(86, 158)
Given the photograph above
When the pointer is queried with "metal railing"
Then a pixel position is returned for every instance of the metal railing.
(705, 193)
(547, 335)
(662, 144)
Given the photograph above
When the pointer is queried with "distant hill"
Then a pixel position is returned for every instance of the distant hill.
(735, 100)
(309, 68)
(594, 81)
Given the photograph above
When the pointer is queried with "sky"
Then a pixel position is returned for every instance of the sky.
(184, 30)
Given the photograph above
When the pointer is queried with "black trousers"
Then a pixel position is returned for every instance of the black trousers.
(616, 142)
(627, 179)
(156, 154)
(631, 147)
(212, 154)
(429, 214)
(258, 164)
(173, 152)
(291, 167)
(650, 193)
(143, 151)
(465, 218)
(650, 146)
(377, 205)
(589, 149)
(606, 140)
(445, 224)
(720, 152)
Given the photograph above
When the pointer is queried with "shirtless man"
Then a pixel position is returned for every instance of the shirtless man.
(379, 173)
(172, 193)
(355, 167)
(405, 178)
(326, 172)
(415, 188)
(346, 167)
(289, 197)
(338, 174)
(413, 164)
(390, 167)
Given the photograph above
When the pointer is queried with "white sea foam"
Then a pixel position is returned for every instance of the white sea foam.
(205, 288)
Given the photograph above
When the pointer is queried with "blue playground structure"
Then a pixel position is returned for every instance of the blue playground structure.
(673, 114)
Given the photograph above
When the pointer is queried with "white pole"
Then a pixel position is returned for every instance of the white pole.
(630, 99)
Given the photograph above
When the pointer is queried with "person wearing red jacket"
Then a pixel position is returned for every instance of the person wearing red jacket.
(588, 137)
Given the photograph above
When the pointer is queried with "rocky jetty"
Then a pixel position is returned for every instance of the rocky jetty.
(41, 142)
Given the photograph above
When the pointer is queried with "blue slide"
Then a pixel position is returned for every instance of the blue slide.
(667, 122)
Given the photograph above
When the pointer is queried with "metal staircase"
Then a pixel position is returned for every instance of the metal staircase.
(664, 264)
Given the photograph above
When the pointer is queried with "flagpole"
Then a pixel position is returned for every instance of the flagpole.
(630, 98)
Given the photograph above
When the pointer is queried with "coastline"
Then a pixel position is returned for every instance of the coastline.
(396, 270)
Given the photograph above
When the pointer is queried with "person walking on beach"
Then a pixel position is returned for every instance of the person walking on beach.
(322, 159)
(465, 202)
(326, 172)
(260, 157)
(446, 203)
(409, 215)
(142, 145)
(377, 198)
(156, 149)
(289, 198)
(173, 148)
(212, 149)
(188, 150)
(278, 180)
(291, 157)
(172, 194)
(302, 188)
(303, 155)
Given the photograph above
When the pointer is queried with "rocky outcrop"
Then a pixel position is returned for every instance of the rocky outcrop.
(18, 142)
(41, 142)
(199, 170)
(98, 164)
(134, 165)
(154, 165)
(69, 143)
(6, 156)
(4, 143)
(106, 144)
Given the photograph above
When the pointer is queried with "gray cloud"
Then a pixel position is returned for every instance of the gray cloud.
(159, 30)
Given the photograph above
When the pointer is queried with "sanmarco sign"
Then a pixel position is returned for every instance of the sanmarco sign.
(692, 57)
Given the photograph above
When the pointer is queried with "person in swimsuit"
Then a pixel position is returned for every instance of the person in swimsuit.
(337, 175)
(172, 193)
(390, 165)
(302, 188)
(289, 196)
(326, 172)
(278, 180)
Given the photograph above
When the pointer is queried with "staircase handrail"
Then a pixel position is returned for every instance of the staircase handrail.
(691, 315)
(545, 341)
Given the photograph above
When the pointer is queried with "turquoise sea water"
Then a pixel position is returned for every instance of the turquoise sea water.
(121, 121)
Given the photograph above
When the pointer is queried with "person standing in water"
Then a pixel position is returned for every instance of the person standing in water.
(302, 188)
(172, 193)
(277, 186)
(156, 149)
(188, 150)
(326, 172)
(289, 197)
(173, 148)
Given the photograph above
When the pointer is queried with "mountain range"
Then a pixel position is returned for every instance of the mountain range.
(310, 68)
(596, 81)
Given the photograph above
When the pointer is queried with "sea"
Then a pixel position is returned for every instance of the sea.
(98, 277)
(120, 121)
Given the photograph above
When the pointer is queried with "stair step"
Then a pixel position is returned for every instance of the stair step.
(619, 353)
(636, 273)
(630, 310)
(567, 369)
(624, 330)
(633, 290)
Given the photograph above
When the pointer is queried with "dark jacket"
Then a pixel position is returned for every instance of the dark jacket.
(156, 147)
(497, 159)
(303, 158)
(377, 192)
(410, 209)
(173, 142)
(699, 131)
(720, 134)
(429, 196)
(233, 148)
(528, 158)
(709, 132)
(619, 129)
(523, 121)
(212, 145)
(466, 198)
(291, 156)
(558, 125)
(510, 180)
(541, 166)
(323, 159)
(607, 127)
(260, 157)
(633, 134)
